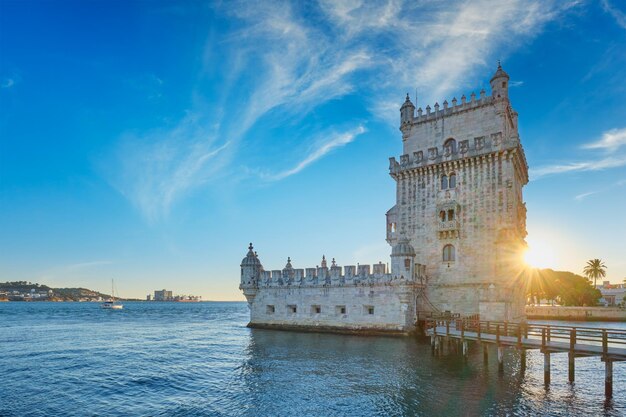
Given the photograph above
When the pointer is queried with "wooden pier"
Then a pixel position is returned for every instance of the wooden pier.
(608, 344)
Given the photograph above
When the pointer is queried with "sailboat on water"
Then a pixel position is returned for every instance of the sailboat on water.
(111, 304)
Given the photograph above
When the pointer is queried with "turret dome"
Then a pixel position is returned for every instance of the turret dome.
(403, 248)
(500, 73)
(407, 102)
(251, 258)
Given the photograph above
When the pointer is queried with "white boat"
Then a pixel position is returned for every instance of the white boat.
(110, 304)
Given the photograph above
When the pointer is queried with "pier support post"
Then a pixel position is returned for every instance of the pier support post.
(571, 354)
(570, 373)
(432, 344)
(523, 361)
(465, 349)
(546, 368)
(500, 359)
(485, 353)
(608, 378)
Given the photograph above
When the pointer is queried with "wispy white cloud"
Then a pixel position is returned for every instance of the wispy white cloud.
(304, 57)
(7, 83)
(436, 48)
(582, 196)
(335, 141)
(159, 167)
(618, 15)
(580, 166)
(83, 265)
(513, 84)
(610, 141)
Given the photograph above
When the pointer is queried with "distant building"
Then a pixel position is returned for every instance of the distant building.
(612, 294)
(148, 297)
(163, 295)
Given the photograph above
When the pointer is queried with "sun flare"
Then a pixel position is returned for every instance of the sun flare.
(539, 255)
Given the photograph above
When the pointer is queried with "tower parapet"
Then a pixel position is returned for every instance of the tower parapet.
(339, 276)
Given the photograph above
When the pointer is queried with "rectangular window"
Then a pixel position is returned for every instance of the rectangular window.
(292, 308)
(316, 309)
(270, 309)
(368, 310)
(340, 310)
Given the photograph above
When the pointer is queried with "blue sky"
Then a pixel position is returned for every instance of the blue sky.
(151, 141)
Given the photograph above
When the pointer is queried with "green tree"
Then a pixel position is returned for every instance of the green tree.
(595, 269)
(566, 288)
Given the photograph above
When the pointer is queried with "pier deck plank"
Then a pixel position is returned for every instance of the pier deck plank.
(580, 349)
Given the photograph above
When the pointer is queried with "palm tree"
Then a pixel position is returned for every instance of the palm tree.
(595, 269)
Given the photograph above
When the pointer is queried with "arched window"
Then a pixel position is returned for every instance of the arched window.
(449, 146)
(448, 253)
(444, 182)
(450, 215)
(452, 180)
(442, 215)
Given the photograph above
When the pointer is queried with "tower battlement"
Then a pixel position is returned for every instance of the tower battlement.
(336, 275)
(455, 106)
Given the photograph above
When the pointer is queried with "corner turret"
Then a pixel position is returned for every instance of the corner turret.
(250, 269)
(403, 260)
(500, 83)
(406, 112)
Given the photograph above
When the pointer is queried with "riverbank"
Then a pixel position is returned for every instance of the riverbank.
(576, 313)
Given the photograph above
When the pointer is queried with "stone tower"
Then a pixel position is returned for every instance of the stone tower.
(459, 202)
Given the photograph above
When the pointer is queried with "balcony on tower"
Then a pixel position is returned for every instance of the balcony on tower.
(448, 225)
(448, 229)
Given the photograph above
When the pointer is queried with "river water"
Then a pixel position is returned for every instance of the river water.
(199, 359)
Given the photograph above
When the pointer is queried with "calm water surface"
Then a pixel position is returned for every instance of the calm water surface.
(199, 359)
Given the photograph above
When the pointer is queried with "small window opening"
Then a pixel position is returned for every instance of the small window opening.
(315, 309)
(452, 180)
(444, 182)
(450, 215)
(504, 84)
(393, 228)
(340, 310)
(369, 310)
(293, 309)
(407, 264)
(442, 215)
(448, 253)
(270, 309)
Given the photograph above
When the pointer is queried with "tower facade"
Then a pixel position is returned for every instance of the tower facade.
(459, 202)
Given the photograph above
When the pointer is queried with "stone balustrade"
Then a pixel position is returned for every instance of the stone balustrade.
(448, 225)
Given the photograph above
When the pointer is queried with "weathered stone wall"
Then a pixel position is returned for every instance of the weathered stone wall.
(576, 313)
(392, 307)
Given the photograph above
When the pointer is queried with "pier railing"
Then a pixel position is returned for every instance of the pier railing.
(578, 341)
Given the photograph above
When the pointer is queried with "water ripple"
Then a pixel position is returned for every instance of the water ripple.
(168, 359)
